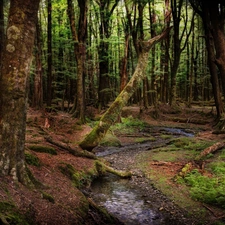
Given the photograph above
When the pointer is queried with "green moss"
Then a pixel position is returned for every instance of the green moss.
(144, 139)
(9, 214)
(47, 197)
(32, 159)
(44, 149)
(79, 178)
(110, 140)
(166, 136)
(128, 125)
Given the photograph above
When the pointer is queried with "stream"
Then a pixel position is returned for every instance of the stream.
(135, 201)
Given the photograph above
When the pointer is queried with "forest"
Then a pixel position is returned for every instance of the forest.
(69, 71)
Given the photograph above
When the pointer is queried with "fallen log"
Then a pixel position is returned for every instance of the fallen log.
(73, 151)
(198, 160)
(211, 149)
(102, 167)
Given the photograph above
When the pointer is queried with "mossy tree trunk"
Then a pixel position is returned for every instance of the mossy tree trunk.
(17, 56)
(111, 115)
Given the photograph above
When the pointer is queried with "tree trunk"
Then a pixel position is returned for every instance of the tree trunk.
(111, 115)
(123, 70)
(212, 66)
(15, 70)
(79, 39)
(106, 11)
(38, 84)
(1, 28)
(49, 56)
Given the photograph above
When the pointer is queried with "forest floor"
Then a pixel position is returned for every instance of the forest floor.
(60, 177)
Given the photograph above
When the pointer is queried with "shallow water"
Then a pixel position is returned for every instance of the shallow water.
(128, 204)
(125, 203)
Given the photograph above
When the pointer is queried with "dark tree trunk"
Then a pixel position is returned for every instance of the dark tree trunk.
(165, 88)
(104, 91)
(212, 65)
(49, 55)
(1, 29)
(15, 70)
(79, 38)
(38, 84)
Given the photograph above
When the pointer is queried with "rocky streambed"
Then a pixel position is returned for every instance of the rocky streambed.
(136, 201)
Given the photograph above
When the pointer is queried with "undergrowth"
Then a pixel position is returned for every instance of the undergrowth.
(128, 125)
(210, 190)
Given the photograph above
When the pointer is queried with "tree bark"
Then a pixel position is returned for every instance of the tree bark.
(15, 70)
(49, 56)
(1, 28)
(38, 84)
(79, 38)
(111, 115)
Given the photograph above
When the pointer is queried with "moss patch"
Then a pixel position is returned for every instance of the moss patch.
(44, 149)
(79, 178)
(10, 215)
(32, 159)
(110, 140)
(48, 197)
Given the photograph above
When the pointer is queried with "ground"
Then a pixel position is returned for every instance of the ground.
(57, 196)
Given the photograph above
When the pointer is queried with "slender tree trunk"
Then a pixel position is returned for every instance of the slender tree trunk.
(1, 29)
(123, 71)
(38, 84)
(17, 57)
(165, 89)
(79, 39)
(111, 115)
(106, 10)
(49, 55)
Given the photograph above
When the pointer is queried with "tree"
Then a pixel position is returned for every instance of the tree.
(106, 11)
(79, 38)
(212, 14)
(17, 56)
(49, 55)
(1, 28)
(111, 115)
(177, 41)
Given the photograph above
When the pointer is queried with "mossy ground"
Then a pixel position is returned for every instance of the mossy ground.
(162, 166)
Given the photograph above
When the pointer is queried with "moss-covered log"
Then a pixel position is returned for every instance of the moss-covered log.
(111, 115)
(73, 151)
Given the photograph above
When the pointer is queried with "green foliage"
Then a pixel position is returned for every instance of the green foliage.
(206, 189)
(189, 143)
(128, 125)
(32, 159)
(44, 149)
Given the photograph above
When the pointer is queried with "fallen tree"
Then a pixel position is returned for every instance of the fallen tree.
(112, 114)
(199, 160)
